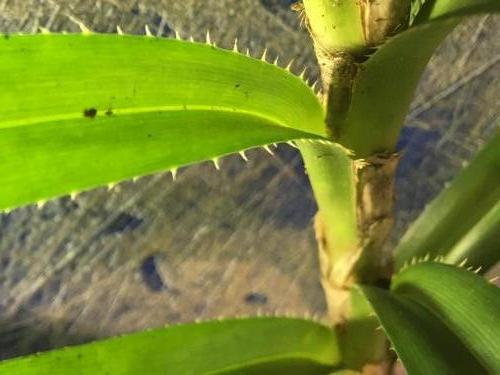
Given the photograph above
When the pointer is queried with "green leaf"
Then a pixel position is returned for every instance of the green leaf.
(462, 222)
(385, 84)
(239, 346)
(440, 9)
(423, 343)
(415, 7)
(79, 111)
(480, 246)
(441, 320)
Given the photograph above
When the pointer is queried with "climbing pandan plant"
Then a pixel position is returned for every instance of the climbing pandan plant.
(82, 110)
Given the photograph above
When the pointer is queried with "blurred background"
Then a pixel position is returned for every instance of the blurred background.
(215, 243)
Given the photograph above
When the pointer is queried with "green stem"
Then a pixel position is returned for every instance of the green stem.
(353, 26)
(355, 196)
(336, 25)
(343, 246)
(330, 170)
(355, 199)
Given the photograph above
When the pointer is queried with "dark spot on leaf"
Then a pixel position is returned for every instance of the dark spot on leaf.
(254, 298)
(237, 85)
(6, 36)
(90, 112)
(109, 112)
(150, 135)
(122, 223)
(150, 275)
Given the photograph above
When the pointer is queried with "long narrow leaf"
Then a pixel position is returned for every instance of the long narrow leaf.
(455, 214)
(385, 84)
(241, 346)
(441, 319)
(440, 9)
(480, 247)
(78, 111)
(423, 343)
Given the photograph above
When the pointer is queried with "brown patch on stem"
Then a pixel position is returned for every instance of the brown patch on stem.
(374, 178)
(338, 72)
(335, 285)
(383, 18)
(375, 205)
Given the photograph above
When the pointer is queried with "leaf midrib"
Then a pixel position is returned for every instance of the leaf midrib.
(138, 110)
(271, 358)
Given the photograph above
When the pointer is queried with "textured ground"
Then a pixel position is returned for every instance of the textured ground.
(214, 243)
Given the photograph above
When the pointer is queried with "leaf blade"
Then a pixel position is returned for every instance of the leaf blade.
(232, 346)
(453, 215)
(372, 125)
(466, 302)
(424, 345)
(385, 84)
(479, 246)
(440, 9)
(441, 319)
(66, 90)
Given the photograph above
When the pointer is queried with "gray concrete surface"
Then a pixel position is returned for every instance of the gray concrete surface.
(226, 243)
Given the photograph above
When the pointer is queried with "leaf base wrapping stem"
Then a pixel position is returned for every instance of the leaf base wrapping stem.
(356, 199)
